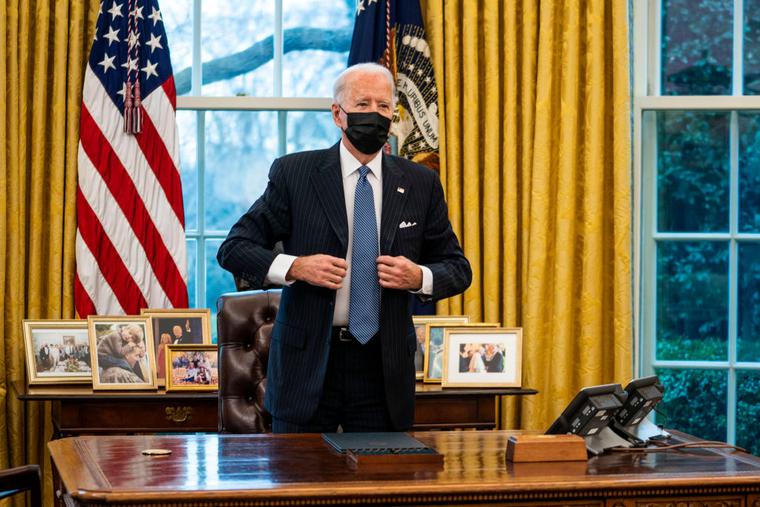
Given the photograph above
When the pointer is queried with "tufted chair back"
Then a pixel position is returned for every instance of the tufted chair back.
(244, 328)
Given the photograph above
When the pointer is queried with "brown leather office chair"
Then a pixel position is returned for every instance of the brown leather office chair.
(19, 479)
(244, 329)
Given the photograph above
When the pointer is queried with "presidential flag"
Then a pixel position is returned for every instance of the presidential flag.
(130, 244)
(390, 32)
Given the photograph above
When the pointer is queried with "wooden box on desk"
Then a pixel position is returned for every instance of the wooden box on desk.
(533, 448)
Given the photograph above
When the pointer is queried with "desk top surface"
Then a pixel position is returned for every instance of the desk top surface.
(250, 467)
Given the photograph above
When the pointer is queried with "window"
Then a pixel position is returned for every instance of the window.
(254, 83)
(697, 158)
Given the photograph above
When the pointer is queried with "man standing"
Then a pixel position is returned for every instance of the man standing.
(177, 335)
(360, 231)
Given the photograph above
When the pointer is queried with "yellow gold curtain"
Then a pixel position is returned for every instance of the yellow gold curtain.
(535, 158)
(44, 47)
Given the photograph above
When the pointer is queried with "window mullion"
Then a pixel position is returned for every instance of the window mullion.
(200, 286)
(733, 270)
(649, 249)
(738, 48)
(655, 45)
(196, 78)
(278, 48)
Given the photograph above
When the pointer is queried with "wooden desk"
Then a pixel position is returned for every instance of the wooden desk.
(271, 470)
(77, 410)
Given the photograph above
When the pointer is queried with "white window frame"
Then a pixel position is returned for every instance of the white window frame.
(646, 97)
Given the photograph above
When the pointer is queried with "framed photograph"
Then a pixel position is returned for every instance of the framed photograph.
(482, 357)
(192, 368)
(57, 352)
(419, 330)
(122, 352)
(179, 326)
(434, 346)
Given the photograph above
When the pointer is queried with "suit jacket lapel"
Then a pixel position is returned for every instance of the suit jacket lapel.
(328, 186)
(395, 190)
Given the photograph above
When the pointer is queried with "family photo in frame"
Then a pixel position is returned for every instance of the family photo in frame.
(482, 357)
(434, 347)
(57, 352)
(122, 352)
(192, 368)
(178, 326)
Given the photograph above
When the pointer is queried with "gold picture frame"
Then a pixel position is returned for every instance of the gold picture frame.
(419, 322)
(434, 347)
(122, 353)
(192, 324)
(192, 368)
(57, 352)
(482, 357)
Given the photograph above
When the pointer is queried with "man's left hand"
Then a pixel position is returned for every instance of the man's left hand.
(398, 273)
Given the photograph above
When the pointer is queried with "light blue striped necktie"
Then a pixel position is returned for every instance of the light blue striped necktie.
(364, 299)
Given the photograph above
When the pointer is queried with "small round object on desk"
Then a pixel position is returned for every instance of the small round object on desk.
(157, 452)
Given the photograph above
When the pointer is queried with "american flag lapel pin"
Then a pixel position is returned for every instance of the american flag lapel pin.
(400, 190)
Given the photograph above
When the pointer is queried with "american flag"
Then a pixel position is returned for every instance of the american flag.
(130, 244)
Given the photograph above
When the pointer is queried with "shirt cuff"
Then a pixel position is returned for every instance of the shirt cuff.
(427, 283)
(278, 271)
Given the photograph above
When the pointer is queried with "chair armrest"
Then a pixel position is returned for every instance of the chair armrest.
(23, 478)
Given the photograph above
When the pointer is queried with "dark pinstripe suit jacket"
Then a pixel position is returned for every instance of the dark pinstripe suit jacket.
(303, 206)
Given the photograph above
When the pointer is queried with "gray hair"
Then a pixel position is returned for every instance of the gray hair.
(371, 68)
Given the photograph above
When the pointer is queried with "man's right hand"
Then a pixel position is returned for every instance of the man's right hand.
(320, 270)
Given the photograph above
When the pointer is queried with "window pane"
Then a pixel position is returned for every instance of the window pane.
(697, 47)
(218, 281)
(178, 23)
(749, 175)
(240, 147)
(748, 411)
(694, 402)
(188, 165)
(316, 40)
(751, 47)
(692, 300)
(237, 49)
(311, 130)
(192, 272)
(748, 340)
(692, 171)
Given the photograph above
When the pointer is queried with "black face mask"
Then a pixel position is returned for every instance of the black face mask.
(367, 131)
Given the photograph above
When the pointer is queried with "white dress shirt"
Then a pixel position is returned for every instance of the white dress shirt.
(349, 166)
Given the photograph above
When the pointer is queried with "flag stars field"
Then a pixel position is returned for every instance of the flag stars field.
(112, 36)
(155, 16)
(154, 42)
(115, 10)
(107, 62)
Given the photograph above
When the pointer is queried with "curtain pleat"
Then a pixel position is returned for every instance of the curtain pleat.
(534, 102)
(44, 46)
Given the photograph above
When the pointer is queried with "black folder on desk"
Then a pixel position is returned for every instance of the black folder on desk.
(376, 443)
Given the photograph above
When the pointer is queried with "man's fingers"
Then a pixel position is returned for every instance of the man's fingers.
(387, 260)
(339, 263)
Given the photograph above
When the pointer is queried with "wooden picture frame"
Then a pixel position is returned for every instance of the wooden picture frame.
(420, 322)
(434, 347)
(482, 357)
(192, 368)
(57, 352)
(122, 353)
(177, 326)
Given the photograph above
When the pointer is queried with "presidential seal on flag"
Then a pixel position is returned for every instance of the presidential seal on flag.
(416, 120)
(392, 34)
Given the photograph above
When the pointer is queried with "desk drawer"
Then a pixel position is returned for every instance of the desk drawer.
(442, 412)
(680, 501)
(114, 416)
